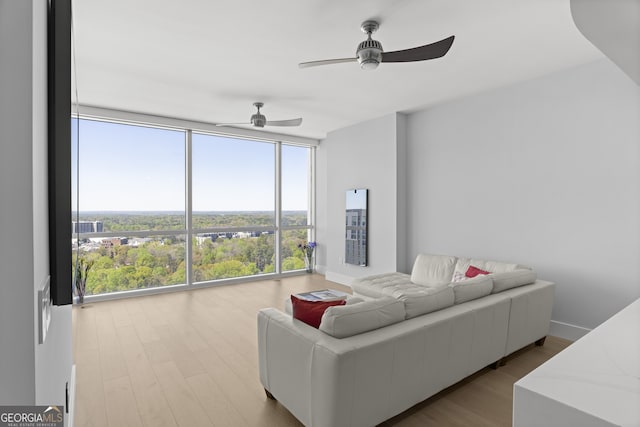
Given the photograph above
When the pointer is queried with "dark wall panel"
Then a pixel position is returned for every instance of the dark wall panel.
(59, 70)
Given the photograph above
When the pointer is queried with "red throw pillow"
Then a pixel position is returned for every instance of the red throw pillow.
(474, 271)
(310, 312)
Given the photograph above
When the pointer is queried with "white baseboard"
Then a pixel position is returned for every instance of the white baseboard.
(338, 278)
(567, 331)
(72, 397)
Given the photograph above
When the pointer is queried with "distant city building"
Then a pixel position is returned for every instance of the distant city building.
(113, 241)
(201, 238)
(79, 227)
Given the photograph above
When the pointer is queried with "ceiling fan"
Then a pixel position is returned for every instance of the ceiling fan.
(370, 54)
(259, 120)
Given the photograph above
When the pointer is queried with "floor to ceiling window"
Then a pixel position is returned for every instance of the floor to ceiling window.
(156, 206)
(295, 167)
(233, 207)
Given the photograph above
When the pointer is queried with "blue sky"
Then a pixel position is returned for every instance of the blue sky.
(135, 168)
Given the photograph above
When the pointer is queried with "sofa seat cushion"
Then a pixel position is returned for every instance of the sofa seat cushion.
(347, 320)
(512, 279)
(419, 300)
(471, 289)
(373, 286)
(433, 270)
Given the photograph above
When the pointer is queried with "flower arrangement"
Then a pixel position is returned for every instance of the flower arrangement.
(307, 249)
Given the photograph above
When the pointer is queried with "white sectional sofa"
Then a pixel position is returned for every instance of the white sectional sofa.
(406, 338)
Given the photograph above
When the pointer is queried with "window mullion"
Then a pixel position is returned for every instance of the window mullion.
(188, 209)
(311, 191)
(278, 208)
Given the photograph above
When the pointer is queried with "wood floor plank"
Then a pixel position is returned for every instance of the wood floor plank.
(90, 409)
(132, 305)
(246, 397)
(151, 402)
(178, 351)
(480, 400)
(120, 315)
(157, 351)
(191, 359)
(216, 403)
(87, 361)
(105, 328)
(449, 412)
(85, 321)
(112, 364)
(120, 403)
(144, 328)
(184, 404)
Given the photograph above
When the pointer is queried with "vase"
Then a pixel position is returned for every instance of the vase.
(308, 263)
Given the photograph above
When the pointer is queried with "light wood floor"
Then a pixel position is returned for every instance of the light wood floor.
(190, 359)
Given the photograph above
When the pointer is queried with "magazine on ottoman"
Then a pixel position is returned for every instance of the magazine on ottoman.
(323, 295)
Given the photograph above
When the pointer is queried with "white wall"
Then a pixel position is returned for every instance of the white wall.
(30, 373)
(360, 156)
(403, 261)
(17, 374)
(544, 173)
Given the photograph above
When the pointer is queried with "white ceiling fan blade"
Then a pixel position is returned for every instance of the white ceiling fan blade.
(326, 62)
(234, 124)
(291, 122)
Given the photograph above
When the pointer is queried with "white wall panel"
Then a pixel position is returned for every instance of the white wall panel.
(544, 173)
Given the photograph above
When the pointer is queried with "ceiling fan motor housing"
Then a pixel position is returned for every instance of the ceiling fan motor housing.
(258, 120)
(369, 54)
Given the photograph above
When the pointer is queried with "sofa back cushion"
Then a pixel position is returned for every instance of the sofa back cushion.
(463, 264)
(512, 279)
(471, 289)
(419, 300)
(505, 275)
(347, 320)
(433, 270)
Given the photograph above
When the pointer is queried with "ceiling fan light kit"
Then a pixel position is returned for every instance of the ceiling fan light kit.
(370, 53)
(258, 119)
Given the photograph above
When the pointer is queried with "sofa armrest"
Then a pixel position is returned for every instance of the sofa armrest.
(277, 332)
(530, 316)
(290, 357)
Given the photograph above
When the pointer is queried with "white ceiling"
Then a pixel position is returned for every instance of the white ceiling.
(209, 60)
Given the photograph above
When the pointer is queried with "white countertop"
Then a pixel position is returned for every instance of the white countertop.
(598, 375)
